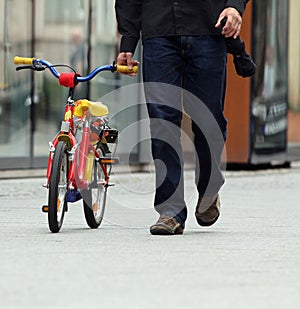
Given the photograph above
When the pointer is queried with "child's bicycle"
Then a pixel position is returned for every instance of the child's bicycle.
(80, 161)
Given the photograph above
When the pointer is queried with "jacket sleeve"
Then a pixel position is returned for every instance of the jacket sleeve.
(240, 5)
(128, 13)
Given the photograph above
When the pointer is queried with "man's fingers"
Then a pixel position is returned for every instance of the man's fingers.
(221, 17)
(233, 23)
(129, 60)
(125, 58)
(121, 59)
(237, 32)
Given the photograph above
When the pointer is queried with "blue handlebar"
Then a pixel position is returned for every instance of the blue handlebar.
(79, 79)
(94, 73)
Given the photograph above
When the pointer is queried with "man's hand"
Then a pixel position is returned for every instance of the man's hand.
(125, 58)
(233, 25)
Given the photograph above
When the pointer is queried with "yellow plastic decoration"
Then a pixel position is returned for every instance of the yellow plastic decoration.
(97, 109)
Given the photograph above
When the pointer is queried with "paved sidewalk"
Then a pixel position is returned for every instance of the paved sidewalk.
(249, 259)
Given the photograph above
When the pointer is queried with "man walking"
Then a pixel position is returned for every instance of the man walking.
(184, 56)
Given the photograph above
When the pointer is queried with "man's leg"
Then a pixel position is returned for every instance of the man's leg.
(163, 67)
(205, 77)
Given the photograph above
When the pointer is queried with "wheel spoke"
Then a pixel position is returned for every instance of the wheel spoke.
(94, 199)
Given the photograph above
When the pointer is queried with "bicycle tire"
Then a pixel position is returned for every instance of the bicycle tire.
(94, 199)
(58, 188)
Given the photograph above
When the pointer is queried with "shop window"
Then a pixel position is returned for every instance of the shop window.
(59, 12)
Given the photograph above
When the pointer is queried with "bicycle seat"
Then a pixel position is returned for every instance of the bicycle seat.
(97, 109)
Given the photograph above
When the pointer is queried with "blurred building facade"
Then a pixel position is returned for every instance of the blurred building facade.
(83, 33)
(77, 32)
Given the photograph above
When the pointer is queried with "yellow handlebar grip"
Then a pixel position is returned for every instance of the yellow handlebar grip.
(125, 69)
(23, 60)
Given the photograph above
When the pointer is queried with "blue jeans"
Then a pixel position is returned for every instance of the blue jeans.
(188, 71)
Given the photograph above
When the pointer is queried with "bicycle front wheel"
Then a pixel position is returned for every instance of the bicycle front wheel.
(94, 199)
(58, 188)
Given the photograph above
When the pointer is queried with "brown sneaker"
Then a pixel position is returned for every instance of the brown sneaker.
(166, 226)
(211, 214)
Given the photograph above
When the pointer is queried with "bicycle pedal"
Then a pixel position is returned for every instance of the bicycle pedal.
(111, 184)
(45, 208)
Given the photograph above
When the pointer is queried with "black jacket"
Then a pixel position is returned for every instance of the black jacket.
(169, 17)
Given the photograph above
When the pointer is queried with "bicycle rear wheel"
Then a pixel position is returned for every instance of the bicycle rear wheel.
(94, 199)
(58, 188)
